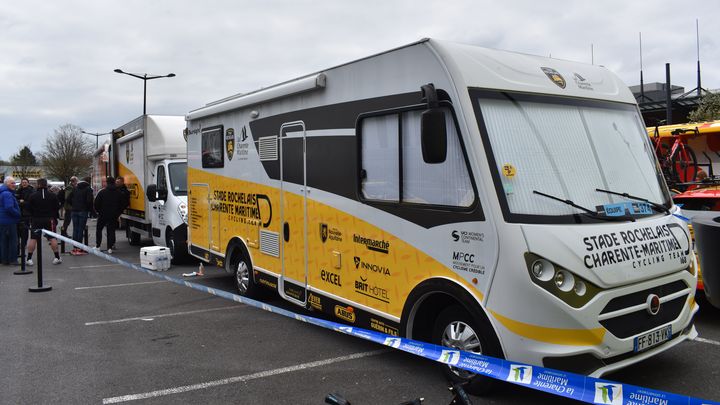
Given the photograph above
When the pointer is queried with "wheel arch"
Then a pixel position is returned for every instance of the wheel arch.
(236, 245)
(429, 298)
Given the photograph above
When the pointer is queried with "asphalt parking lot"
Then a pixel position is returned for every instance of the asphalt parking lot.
(108, 334)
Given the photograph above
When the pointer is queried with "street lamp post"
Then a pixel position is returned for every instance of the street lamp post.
(97, 136)
(144, 77)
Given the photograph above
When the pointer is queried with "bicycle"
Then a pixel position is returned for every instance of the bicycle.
(677, 160)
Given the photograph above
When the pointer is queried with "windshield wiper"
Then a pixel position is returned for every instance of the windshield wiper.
(587, 211)
(658, 207)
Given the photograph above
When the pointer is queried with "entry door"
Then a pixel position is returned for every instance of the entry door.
(159, 211)
(200, 215)
(293, 212)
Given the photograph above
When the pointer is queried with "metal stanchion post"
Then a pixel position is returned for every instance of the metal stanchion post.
(40, 287)
(23, 269)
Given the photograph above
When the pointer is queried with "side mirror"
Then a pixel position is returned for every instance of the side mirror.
(154, 194)
(433, 136)
(433, 133)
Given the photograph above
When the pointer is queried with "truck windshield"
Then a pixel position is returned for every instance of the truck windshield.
(178, 178)
(567, 148)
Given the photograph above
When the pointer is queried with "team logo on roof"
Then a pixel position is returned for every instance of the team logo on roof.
(230, 142)
(555, 76)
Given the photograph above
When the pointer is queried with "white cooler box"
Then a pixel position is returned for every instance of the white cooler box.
(155, 258)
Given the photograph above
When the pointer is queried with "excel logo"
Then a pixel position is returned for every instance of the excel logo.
(520, 373)
(451, 357)
(608, 393)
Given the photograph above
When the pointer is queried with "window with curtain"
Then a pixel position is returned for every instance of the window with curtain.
(394, 169)
(212, 148)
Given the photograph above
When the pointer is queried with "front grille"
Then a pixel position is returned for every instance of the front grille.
(633, 323)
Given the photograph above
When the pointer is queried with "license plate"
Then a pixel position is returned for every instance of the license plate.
(653, 338)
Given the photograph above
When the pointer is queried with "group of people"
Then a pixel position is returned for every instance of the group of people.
(25, 211)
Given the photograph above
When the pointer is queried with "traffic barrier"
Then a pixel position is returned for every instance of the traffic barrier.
(23, 267)
(40, 287)
(562, 383)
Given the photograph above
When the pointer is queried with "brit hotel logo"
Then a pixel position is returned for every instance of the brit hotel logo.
(608, 393)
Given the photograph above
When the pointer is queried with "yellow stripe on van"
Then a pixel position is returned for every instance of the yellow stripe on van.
(567, 337)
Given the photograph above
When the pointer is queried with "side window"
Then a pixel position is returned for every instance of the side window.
(212, 148)
(393, 169)
(161, 180)
(380, 154)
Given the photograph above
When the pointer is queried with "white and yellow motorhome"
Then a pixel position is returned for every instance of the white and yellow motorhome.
(452, 194)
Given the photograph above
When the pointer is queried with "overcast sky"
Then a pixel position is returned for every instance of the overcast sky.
(57, 57)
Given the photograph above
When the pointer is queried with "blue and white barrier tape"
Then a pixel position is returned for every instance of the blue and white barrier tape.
(569, 385)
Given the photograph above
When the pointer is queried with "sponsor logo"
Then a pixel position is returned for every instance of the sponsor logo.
(345, 329)
(230, 143)
(360, 264)
(129, 152)
(371, 290)
(345, 313)
(554, 76)
(392, 342)
(323, 232)
(465, 257)
(243, 135)
(581, 82)
(520, 374)
(467, 237)
(315, 302)
(451, 357)
(267, 283)
(330, 278)
(608, 393)
(376, 245)
(381, 326)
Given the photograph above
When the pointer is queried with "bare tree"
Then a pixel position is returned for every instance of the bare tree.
(67, 153)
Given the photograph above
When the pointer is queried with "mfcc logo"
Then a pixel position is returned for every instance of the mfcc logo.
(608, 393)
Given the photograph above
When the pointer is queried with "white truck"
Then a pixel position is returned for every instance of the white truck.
(149, 152)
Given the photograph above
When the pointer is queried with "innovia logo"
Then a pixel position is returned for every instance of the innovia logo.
(520, 373)
(360, 264)
(608, 393)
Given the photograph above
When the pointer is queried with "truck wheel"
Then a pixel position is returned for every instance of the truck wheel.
(133, 238)
(239, 264)
(179, 255)
(456, 328)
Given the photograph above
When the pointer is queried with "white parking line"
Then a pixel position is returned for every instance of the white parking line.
(119, 285)
(262, 374)
(151, 317)
(94, 266)
(712, 342)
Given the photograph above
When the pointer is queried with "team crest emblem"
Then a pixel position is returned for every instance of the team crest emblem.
(555, 76)
(230, 143)
(323, 232)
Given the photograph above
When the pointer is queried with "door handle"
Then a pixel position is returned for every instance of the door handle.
(286, 232)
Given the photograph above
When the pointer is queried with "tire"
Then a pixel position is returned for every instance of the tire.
(455, 327)
(133, 238)
(684, 167)
(241, 267)
(173, 240)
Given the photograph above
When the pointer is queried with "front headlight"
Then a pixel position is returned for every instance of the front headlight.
(560, 282)
(182, 211)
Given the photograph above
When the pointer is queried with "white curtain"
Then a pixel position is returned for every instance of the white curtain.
(380, 156)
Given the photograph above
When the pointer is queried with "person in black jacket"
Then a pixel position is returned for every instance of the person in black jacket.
(82, 203)
(22, 194)
(109, 203)
(42, 206)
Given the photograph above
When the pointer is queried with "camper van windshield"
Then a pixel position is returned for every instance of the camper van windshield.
(568, 149)
(178, 178)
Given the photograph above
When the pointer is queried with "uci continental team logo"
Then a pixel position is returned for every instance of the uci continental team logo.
(323, 232)
(520, 373)
(608, 393)
(230, 142)
(555, 76)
